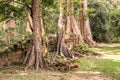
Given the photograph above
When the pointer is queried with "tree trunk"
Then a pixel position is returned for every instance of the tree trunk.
(72, 25)
(84, 24)
(34, 56)
(87, 30)
(45, 50)
(61, 48)
(29, 23)
(81, 18)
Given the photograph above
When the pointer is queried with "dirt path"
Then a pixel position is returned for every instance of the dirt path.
(111, 57)
(85, 75)
(109, 51)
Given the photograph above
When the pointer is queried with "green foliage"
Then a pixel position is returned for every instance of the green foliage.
(80, 48)
(8, 10)
(103, 23)
(8, 39)
(115, 22)
(49, 3)
(50, 16)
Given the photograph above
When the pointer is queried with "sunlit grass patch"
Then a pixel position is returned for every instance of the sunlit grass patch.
(107, 67)
(113, 48)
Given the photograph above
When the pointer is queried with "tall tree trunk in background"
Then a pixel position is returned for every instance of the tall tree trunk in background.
(72, 25)
(85, 24)
(81, 18)
(34, 56)
(45, 50)
(87, 29)
(61, 48)
(29, 24)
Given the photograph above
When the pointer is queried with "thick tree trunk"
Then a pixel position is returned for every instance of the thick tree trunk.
(61, 48)
(84, 24)
(72, 25)
(74, 29)
(35, 52)
(87, 30)
(81, 18)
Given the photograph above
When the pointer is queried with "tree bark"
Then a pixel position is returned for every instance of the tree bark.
(87, 29)
(72, 25)
(36, 52)
(61, 48)
(81, 18)
(84, 24)
(29, 24)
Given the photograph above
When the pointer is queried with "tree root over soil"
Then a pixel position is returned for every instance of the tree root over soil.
(34, 57)
(60, 63)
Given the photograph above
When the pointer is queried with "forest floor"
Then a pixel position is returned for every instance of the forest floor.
(104, 67)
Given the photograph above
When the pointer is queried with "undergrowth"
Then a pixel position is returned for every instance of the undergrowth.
(81, 48)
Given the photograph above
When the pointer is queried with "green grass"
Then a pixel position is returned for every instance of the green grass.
(111, 68)
(113, 48)
(27, 76)
(107, 67)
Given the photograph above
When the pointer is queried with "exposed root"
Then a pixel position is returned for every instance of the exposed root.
(34, 58)
(61, 48)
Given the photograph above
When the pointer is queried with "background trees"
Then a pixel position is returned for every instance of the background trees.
(101, 21)
(79, 18)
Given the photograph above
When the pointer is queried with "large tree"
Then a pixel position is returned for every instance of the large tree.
(72, 25)
(61, 47)
(84, 23)
(35, 53)
(32, 11)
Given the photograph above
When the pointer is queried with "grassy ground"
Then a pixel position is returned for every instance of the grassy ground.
(90, 68)
(113, 48)
(105, 66)
(51, 75)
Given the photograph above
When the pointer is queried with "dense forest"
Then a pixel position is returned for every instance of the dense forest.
(55, 34)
